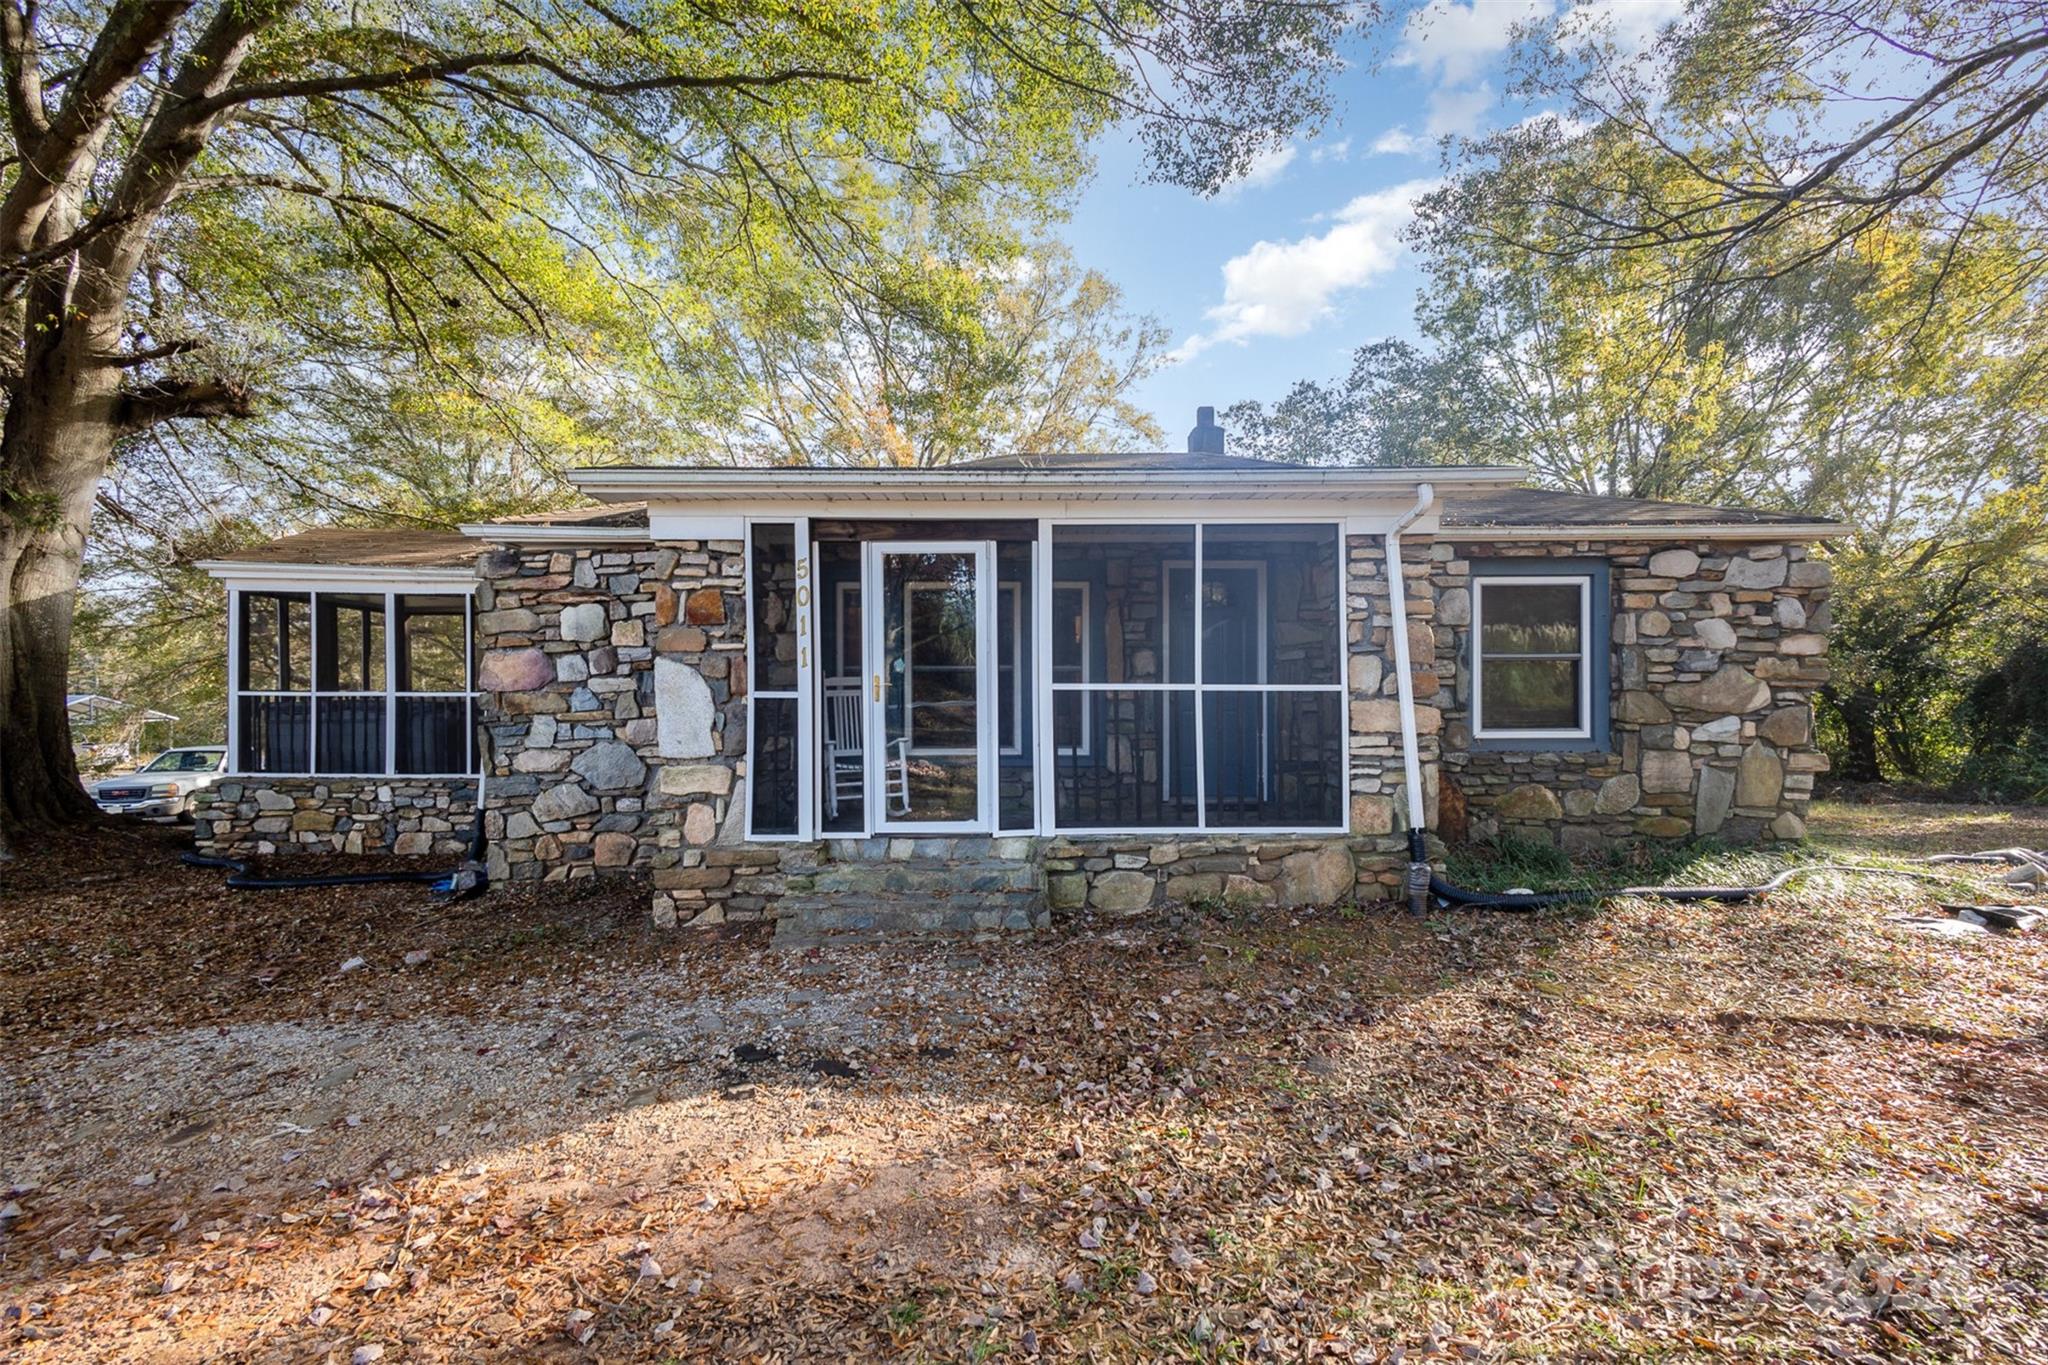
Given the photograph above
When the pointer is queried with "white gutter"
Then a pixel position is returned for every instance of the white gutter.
(358, 575)
(1621, 530)
(1404, 681)
(665, 483)
(519, 533)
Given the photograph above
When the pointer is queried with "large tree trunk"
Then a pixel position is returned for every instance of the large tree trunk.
(54, 446)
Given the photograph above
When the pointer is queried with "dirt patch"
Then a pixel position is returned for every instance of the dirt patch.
(1789, 1131)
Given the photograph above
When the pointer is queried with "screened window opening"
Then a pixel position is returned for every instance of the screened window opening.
(274, 679)
(326, 685)
(777, 596)
(1531, 674)
(1197, 677)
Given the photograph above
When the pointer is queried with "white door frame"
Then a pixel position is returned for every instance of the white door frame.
(879, 820)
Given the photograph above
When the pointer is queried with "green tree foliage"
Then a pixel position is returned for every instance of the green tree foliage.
(1717, 277)
(502, 237)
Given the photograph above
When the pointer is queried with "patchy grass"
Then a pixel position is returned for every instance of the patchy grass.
(1796, 1130)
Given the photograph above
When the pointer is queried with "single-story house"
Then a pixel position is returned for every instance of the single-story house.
(961, 697)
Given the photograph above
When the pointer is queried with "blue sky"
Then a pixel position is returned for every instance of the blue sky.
(1284, 275)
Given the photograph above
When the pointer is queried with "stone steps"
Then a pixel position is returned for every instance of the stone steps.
(891, 897)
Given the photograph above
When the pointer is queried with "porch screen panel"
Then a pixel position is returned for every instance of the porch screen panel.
(434, 667)
(1272, 676)
(775, 639)
(274, 680)
(1273, 759)
(1197, 677)
(1123, 705)
(350, 714)
(1017, 797)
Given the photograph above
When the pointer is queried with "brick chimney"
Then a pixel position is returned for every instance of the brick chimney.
(1207, 437)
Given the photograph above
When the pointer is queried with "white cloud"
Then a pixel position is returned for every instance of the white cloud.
(1633, 24)
(1331, 151)
(1456, 43)
(1282, 289)
(1267, 167)
(1458, 109)
(1398, 141)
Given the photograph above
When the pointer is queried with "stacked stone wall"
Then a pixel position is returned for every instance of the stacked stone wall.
(615, 686)
(251, 817)
(1136, 875)
(1378, 778)
(1716, 651)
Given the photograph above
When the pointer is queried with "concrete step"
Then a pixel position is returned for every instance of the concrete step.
(804, 921)
(921, 878)
(939, 848)
(910, 897)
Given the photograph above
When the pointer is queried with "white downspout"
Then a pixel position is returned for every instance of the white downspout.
(1404, 681)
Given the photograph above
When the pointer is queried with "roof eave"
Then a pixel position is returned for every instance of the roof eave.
(521, 533)
(663, 483)
(1718, 530)
(338, 573)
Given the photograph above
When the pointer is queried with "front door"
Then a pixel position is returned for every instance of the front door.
(931, 653)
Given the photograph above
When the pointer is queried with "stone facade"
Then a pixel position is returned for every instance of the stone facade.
(248, 817)
(614, 679)
(614, 685)
(1132, 876)
(1378, 781)
(1715, 653)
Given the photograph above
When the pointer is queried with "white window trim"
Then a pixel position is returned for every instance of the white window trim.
(1015, 592)
(1337, 528)
(808, 792)
(1079, 585)
(1584, 583)
(313, 590)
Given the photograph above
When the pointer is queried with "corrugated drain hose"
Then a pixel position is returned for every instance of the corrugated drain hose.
(1449, 893)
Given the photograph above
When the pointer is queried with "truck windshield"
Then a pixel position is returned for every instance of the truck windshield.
(184, 761)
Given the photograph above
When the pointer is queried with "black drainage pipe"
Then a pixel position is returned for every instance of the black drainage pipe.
(1424, 881)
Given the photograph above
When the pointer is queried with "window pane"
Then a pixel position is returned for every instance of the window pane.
(1134, 764)
(433, 735)
(1273, 759)
(1529, 694)
(276, 735)
(277, 642)
(1269, 605)
(772, 769)
(351, 644)
(774, 589)
(351, 735)
(1529, 618)
(1070, 629)
(1009, 640)
(1132, 625)
(1016, 716)
(433, 645)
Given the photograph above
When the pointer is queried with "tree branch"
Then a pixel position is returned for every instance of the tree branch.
(134, 30)
(21, 58)
(168, 400)
(516, 59)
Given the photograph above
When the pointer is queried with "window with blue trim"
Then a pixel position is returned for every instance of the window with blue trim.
(1535, 666)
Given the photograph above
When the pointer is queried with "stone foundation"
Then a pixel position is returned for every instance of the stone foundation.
(1132, 876)
(252, 816)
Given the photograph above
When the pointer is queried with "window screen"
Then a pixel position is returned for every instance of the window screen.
(1531, 656)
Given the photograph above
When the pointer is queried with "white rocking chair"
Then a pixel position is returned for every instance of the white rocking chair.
(845, 755)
